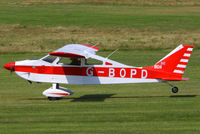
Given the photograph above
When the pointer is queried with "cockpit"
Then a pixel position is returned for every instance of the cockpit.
(70, 61)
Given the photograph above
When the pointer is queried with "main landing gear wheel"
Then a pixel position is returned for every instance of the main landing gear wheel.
(174, 89)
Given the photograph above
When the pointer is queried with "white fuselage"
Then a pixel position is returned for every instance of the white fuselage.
(41, 71)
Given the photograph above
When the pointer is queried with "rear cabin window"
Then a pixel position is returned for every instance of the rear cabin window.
(91, 61)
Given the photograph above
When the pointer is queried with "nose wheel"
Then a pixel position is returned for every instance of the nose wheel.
(55, 92)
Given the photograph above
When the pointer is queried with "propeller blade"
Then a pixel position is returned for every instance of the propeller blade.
(11, 70)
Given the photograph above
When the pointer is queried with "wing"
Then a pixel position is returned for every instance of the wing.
(83, 51)
(75, 51)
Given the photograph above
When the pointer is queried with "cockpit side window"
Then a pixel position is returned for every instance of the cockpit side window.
(70, 61)
(49, 59)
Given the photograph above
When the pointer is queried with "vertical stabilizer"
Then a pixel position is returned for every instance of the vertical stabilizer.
(176, 61)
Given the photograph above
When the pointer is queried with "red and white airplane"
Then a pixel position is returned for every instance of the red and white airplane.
(68, 65)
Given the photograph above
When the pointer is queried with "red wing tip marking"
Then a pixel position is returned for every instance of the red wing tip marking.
(96, 48)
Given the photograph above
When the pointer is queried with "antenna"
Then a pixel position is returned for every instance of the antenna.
(92, 46)
(112, 53)
(95, 45)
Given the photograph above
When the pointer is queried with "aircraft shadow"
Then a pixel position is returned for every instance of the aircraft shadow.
(92, 97)
(102, 97)
(183, 96)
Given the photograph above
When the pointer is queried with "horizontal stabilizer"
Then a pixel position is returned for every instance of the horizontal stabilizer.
(175, 79)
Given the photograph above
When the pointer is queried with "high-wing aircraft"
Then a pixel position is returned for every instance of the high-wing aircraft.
(69, 65)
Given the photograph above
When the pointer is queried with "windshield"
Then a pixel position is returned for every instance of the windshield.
(49, 59)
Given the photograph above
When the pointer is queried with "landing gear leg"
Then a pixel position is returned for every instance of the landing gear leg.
(55, 86)
(174, 88)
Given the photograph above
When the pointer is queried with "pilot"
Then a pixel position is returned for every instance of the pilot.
(75, 61)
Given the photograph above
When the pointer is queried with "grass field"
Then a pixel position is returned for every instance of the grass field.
(144, 30)
(126, 108)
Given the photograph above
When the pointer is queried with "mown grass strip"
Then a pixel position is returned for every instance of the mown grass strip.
(162, 18)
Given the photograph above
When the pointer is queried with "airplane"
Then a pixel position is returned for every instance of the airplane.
(69, 65)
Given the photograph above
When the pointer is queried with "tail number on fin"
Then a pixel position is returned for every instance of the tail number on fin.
(159, 66)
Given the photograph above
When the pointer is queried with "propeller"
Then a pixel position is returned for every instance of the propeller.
(10, 66)
(12, 69)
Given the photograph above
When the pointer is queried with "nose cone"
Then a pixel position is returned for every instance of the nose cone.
(10, 66)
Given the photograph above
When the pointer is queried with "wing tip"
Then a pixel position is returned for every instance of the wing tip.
(93, 47)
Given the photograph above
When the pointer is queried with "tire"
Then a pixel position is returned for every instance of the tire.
(175, 89)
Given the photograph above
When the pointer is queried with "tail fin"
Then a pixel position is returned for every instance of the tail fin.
(176, 61)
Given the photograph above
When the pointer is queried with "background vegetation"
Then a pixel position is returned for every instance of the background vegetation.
(43, 26)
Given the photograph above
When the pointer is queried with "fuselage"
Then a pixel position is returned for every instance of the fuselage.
(65, 70)
(42, 71)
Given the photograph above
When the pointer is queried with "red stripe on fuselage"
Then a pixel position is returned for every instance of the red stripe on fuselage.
(83, 71)
(50, 70)
(118, 72)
